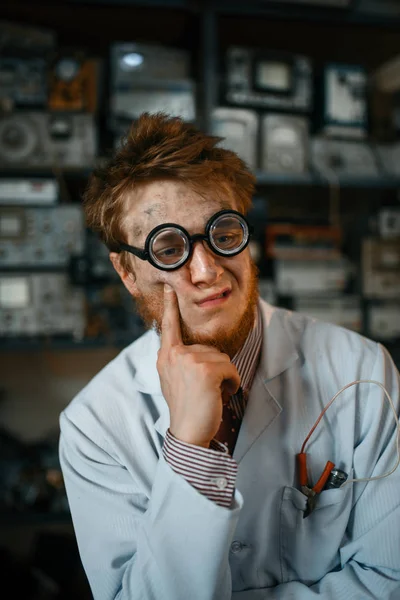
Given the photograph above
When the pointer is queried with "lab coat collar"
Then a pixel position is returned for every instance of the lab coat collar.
(279, 349)
(277, 355)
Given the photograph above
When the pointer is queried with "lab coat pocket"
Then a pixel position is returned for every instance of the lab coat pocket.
(309, 548)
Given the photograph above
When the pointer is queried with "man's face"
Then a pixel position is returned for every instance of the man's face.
(223, 322)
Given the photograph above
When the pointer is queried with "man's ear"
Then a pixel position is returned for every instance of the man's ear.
(127, 277)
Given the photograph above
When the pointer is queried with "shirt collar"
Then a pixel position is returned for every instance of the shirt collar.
(247, 358)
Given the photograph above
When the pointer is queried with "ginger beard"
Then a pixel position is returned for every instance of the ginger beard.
(151, 308)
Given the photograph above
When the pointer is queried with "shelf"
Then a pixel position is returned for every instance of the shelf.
(44, 172)
(272, 9)
(308, 13)
(314, 179)
(45, 344)
(284, 179)
(176, 4)
(263, 178)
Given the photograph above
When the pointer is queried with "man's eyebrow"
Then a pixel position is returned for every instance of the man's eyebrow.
(224, 205)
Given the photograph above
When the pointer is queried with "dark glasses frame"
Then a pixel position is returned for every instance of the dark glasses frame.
(145, 254)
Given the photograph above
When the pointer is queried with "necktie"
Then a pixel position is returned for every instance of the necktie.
(229, 429)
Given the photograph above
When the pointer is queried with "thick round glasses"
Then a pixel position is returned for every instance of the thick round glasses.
(169, 246)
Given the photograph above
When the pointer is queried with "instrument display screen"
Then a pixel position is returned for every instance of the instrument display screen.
(14, 292)
(11, 225)
(272, 75)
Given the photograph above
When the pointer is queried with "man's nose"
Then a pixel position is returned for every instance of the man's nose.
(204, 265)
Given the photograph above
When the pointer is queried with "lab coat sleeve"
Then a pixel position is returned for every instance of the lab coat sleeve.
(173, 545)
(370, 556)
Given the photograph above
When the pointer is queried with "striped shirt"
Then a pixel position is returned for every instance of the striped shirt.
(213, 471)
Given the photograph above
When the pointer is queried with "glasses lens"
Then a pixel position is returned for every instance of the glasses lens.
(169, 247)
(229, 234)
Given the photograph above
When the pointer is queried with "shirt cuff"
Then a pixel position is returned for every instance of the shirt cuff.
(212, 471)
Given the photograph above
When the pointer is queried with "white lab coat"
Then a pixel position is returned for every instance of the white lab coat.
(145, 533)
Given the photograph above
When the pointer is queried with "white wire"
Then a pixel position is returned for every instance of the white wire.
(387, 395)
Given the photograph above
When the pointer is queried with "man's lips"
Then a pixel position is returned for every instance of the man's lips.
(222, 295)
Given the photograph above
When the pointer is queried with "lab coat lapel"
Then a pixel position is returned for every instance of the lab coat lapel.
(146, 379)
(163, 422)
(262, 408)
(264, 403)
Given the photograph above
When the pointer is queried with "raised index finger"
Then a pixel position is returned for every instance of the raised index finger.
(170, 328)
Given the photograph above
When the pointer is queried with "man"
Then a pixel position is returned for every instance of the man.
(180, 456)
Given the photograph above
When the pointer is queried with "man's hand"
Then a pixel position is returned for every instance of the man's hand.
(194, 379)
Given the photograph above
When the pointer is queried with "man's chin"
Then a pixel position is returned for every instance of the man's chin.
(226, 345)
(225, 337)
(216, 337)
